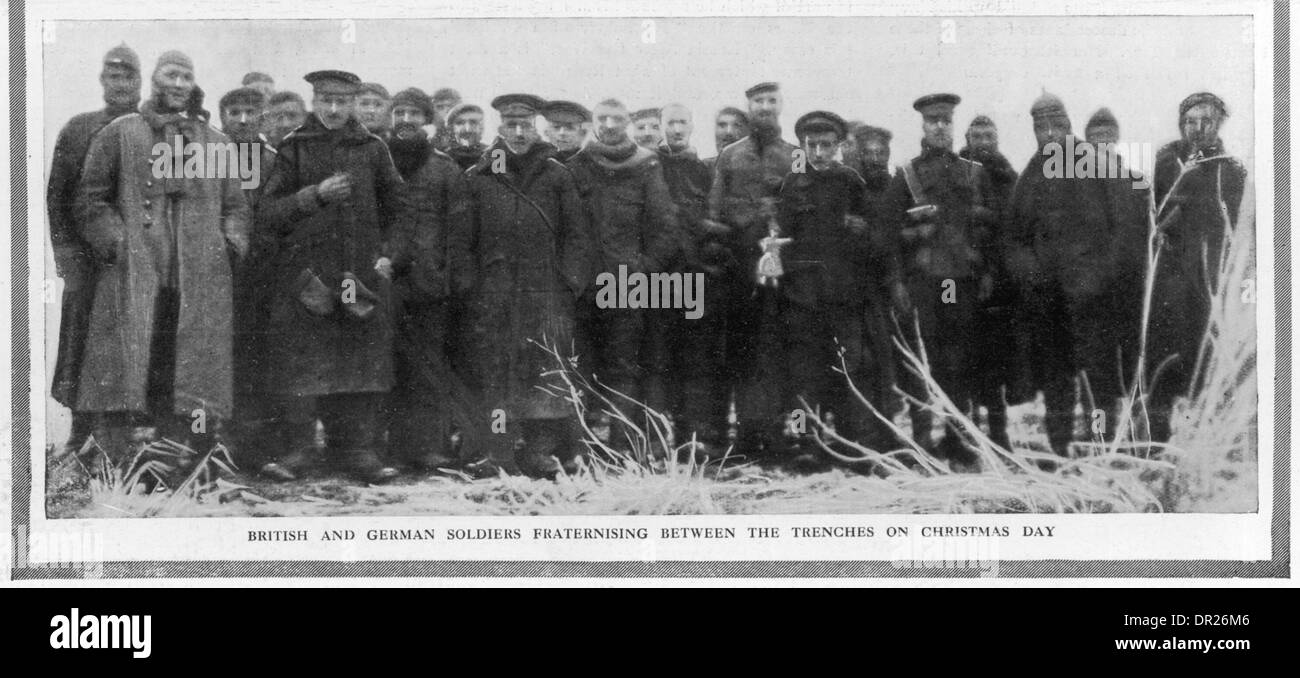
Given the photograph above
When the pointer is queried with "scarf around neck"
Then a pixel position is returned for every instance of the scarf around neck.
(170, 124)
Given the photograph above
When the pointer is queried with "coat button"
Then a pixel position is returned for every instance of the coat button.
(148, 203)
(148, 183)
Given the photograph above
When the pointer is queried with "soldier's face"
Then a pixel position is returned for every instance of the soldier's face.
(441, 107)
(519, 133)
(284, 118)
(1200, 126)
(403, 113)
(467, 128)
(333, 109)
(173, 84)
(567, 135)
(875, 153)
(611, 124)
(241, 122)
(728, 130)
(766, 106)
(1051, 129)
(982, 138)
(937, 129)
(372, 111)
(677, 126)
(1102, 134)
(646, 132)
(820, 148)
(121, 85)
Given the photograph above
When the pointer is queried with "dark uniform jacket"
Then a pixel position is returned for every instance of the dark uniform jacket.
(311, 355)
(688, 180)
(959, 243)
(743, 175)
(632, 213)
(827, 263)
(530, 249)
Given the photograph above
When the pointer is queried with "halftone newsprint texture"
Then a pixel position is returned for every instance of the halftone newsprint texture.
(647, 290)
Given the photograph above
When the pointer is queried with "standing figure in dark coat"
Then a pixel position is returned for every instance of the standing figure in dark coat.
(74, 261)
(426, 390)
(333, 205)
(872, 144)
(938, 205)
(242, 115)
(690, 370)
(742, 204)
(832, 265)
(158, 351)
(634, 225)
(994, 334)
(531, 251)
(1192, 235)
(1074, 249)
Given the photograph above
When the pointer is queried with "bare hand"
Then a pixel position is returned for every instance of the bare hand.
(385, 267)
(712, 227)
(335, 188)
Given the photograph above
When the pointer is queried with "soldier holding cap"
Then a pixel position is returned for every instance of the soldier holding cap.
(833, 264)
(1192, 238)
(335, 208)
(746, 179)
(159, 343)
(567, 124)
(529, 249)
(938, 204)
(73, 259)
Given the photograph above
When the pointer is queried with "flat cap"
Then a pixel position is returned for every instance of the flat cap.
(1103, 116)
(518, 104)
(415, 98)
(740, 115)
(646, 113)
(565, 111)
(174, 56)
(122, 56)
(243, 95)
(333, 82)
(461, 109)
(820, 121)
(255, 76)
(1048, 105)
(373, 88)
(446, 94)
(1202, 98)
(864, 132)
(761, 88)
(936, 102)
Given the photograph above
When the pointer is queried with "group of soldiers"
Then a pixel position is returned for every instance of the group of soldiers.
(402, 283)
